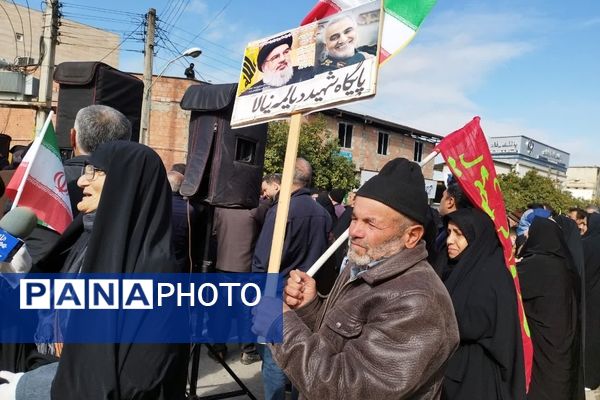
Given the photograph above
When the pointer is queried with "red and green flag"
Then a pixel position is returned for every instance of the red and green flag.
(468, 156)
(40, 183)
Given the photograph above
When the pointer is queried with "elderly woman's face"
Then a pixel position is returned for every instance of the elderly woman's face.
(456, 241)
(92, 182)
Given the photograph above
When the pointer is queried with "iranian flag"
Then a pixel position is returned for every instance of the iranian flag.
(401, 20)
(40, 183)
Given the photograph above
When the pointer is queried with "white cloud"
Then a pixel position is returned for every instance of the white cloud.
(590, 23)
(432, 84)
(197, 7)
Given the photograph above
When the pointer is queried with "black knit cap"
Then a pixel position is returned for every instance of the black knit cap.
(266, 49)
(401, 186)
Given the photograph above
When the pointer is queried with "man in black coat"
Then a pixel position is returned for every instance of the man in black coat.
(306, 238)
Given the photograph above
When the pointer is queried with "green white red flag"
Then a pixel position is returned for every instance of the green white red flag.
(401, 20)
(468, 156)
(40, 183)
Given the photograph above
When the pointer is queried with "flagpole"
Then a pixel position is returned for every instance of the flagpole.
(344, 236)
(34, 149)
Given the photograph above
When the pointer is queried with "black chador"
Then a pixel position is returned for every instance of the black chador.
(489, 361)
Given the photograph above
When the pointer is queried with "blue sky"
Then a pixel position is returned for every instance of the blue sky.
(526, 67)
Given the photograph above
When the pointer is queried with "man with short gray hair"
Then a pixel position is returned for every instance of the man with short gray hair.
(98, 124)
(93, 125)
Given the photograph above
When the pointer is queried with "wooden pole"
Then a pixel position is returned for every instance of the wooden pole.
(285, 193)
(283, 206)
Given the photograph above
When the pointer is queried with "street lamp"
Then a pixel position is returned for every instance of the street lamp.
(147, 98)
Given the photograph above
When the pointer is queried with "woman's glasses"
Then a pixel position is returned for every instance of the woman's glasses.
(89, 171)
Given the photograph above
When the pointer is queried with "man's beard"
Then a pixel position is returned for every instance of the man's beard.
(386, 249)
(278, 78)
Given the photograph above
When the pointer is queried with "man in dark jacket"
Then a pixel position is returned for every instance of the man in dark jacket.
(306, 233)
(182, 213)
(388, 326)
(308, 225)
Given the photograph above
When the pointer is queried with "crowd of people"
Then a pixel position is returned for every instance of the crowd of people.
(411, 307)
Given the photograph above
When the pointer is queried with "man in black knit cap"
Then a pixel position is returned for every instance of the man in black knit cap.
(388, 326)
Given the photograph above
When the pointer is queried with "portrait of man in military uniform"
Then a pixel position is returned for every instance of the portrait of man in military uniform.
(340, 45)
(274, 61)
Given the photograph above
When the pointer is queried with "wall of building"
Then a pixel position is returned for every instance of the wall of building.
(169, 124)
(79, 42)
(583, 182)
(364, 146)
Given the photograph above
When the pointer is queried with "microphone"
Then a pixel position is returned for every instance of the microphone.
(16, 224)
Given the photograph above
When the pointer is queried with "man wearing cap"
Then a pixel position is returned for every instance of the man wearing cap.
(275, 62)
(388, 327)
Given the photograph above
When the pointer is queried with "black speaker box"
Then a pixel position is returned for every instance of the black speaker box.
(86, 83)
(224, 165)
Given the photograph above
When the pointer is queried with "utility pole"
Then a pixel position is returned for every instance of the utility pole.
(148, 58)
(47, 69)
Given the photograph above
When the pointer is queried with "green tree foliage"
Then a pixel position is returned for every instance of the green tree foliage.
(534, 188)
(319, 147)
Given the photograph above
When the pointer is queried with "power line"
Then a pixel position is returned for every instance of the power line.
(122, 41)
(174, 6)
(85, 35)
(206, 40)
(232, 62)
(98, 18)
(217, 64)
(102, 10)
(210, 22)
(97, 47)
(77, 25)
(22, 27)
(169, 3)
(205, 55)
(13, 30)
(178, 53)
(30, 28)
(179, 12)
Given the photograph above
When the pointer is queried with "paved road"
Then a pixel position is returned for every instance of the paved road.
(213, 379)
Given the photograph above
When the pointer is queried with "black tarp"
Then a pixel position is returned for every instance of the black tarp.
(86, 83)
(224, 165)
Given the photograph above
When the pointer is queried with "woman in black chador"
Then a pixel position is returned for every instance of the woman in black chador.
(488, 364)
(591, 251)
(550, 290)
(124, 227)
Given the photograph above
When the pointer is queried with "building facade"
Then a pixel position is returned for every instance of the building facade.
(524, 154)
(584, 182)
(20, 35)
(371, 142)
